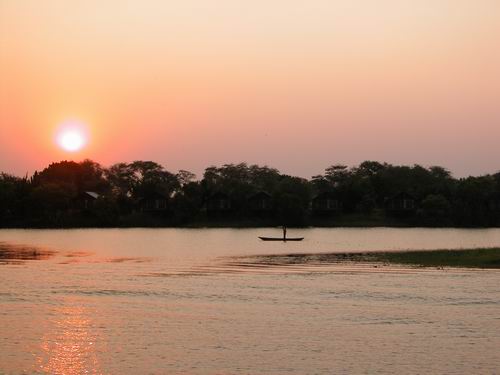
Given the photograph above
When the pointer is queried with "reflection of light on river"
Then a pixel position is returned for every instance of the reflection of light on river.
(69, 348)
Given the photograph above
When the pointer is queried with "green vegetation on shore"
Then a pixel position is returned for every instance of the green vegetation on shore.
(462, 258)
(468, 258)
(145, 194)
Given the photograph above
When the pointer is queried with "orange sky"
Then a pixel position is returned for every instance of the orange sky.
(298, 85)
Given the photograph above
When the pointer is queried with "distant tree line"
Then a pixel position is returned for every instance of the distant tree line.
(144, 193)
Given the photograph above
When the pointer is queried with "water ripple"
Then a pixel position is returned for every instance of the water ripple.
(18, 254)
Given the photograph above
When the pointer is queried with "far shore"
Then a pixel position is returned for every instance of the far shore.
(246, 225)
(146, 221)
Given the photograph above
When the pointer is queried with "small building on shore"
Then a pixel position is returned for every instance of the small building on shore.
(326, 203)
(219, 203)
(86, 200)
(154, 202)
(402, 203)
(260, 203)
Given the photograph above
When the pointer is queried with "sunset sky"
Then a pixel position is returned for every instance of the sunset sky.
(297, 85)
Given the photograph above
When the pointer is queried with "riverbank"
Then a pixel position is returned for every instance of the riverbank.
(467, 258)
(140, 220)
(488, 258)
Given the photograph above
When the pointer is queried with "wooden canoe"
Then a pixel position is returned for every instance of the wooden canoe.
(281, 239)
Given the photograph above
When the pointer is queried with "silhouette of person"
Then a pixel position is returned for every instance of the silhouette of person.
(284, 232)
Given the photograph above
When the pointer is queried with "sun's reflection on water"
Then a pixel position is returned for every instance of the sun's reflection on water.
(70, 346)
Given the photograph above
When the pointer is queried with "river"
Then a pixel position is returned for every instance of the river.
(202, 301)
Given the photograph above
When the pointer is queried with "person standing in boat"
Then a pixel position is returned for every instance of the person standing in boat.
(284, 232)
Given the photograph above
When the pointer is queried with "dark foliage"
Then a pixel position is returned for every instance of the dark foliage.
(144, 193)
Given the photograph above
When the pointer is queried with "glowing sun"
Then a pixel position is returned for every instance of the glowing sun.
(72, 136)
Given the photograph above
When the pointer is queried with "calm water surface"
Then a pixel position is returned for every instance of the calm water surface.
(201, 301)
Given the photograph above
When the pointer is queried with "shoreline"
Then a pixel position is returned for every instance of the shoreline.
(479, 258)
(484, 258)
(204, 225)
(377, 219)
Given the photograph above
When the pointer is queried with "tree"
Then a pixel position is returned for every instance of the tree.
(292, 199)
(121, 178)
(13, 193)
(469, 206)
(370, 168)
(84, 176)
(50, 201)
(150, 177)
(91, 177)
(185, 177)
(337, 174)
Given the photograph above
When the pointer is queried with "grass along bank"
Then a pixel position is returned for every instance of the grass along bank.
(469, 258)
(488, 258)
